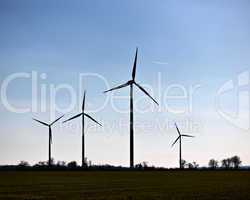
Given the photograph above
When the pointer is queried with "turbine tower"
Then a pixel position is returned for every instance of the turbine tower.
(83, 114)
(131, 83)
(179, 138)
(50, 135)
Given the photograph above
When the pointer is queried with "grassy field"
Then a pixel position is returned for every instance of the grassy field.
(125, 185)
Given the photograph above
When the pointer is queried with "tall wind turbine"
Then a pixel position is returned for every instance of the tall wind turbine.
(50, 134)
(83, 114)
(131, 83)
(179, 138)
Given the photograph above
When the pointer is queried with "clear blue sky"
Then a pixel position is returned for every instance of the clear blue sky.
(188, 43)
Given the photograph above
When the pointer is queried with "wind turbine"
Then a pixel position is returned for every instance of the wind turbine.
(131, 83)
(83, 114)
(50, 134)
(179, 138)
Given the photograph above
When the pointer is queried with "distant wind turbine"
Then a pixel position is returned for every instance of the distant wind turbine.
(131, 83)
(179, 138)
(83, 114)
(50, 134)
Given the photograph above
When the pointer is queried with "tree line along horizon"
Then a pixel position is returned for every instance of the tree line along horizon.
(233, 162)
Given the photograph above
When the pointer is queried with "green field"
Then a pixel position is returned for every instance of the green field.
(126, 185)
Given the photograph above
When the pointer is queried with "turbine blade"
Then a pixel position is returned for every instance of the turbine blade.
(56, 120)
(41, 122)
(140, 87)
(176, 141)
(187, 135)
(118, 87)
(177, 129)
(83, 102)
(92, 119)
(73, 117)
(134, 66)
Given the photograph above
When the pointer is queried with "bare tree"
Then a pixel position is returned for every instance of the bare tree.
(183, 163)
(192, 165)
(138, 166)
(213, 164)
(195, 164)
(226, 163)
(235, 160)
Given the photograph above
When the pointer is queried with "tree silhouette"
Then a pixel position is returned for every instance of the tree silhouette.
(139, 166)
(183, 163)
(235, 160)
(192, 165)
(213, 164)
(72, 165)
(226, 163)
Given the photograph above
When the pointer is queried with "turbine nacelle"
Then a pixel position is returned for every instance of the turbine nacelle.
(180, 135)
(131, 82)
(46, 124)
(82, 114)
